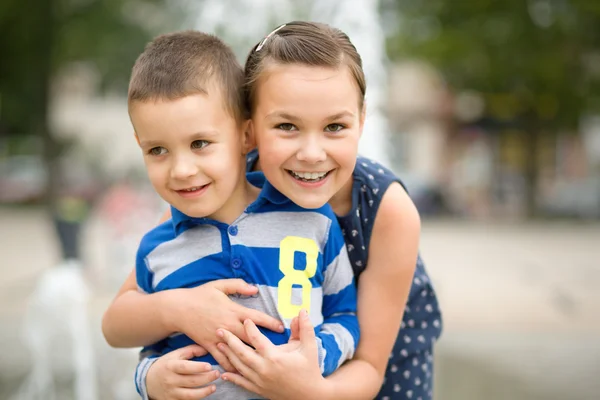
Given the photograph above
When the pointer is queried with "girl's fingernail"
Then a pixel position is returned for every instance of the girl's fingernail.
(281, 328)
(224, 378)
(220, 333)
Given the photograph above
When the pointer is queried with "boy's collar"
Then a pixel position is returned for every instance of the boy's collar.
(268, 193)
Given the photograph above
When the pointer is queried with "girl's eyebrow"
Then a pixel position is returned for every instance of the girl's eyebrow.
(341, 115)
(284, 115)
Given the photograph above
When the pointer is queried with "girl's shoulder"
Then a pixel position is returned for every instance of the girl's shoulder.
(373, 175)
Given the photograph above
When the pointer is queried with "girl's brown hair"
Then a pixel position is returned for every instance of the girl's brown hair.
(307, 43)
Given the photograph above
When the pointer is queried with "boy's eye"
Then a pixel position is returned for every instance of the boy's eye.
(157, 151)
(286, 127)
(334, 128)
(199, 144)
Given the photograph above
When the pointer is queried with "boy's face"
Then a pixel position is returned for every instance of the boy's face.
(194, 152)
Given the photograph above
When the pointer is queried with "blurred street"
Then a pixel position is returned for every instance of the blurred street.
(520, 304)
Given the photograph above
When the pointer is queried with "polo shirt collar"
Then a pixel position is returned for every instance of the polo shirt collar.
(268, 194)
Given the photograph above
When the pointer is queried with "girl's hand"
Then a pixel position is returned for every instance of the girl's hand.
(288, 371)
(175, 377)
(198, 312)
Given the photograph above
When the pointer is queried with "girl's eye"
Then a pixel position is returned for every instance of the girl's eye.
(286, 127)
(334, 128)
(157, 151)
(199, 144)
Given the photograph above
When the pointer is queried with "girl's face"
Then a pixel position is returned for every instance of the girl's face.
(307, 122)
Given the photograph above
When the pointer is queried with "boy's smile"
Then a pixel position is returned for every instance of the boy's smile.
(194, 153)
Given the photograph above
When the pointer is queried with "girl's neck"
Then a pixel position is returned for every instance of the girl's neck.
(341, 202)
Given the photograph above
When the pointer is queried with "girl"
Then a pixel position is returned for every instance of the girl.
(305, 92)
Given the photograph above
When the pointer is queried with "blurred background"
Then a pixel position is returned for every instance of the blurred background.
(489, 111)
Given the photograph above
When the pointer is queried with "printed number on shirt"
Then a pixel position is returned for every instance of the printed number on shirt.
(292, 276)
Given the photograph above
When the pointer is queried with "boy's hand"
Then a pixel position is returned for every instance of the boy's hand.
(198, 312)
(174, 377)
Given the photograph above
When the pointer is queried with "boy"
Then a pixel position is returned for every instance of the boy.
(187, 112)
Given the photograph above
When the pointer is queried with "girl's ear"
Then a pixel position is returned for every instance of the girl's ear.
(248, 141)
(363, 114)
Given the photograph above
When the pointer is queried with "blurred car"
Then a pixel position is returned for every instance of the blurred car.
(22, 179)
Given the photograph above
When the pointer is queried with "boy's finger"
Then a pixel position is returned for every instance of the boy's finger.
(240, 381)
(186, 367)
(259, 341)
(191, 351)
(193, 394)
(235, 286)
(197, 380)
(264, 320)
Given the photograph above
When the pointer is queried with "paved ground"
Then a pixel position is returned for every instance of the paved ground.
(520, 301)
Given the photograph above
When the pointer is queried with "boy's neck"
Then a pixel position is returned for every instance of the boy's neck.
(243, 195)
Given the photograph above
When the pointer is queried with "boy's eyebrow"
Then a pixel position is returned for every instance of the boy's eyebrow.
(191, 136)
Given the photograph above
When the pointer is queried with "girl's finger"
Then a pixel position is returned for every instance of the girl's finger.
(242, 382)
(221, 359)
(243, 352)
(259, 341)
(239, 364)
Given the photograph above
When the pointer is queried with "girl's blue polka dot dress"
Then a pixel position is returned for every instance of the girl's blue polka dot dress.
(409, 372)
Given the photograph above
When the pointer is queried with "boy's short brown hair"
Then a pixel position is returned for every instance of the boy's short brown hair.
(186, 63)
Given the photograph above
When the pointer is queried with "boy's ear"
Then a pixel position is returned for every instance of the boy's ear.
(248, 142)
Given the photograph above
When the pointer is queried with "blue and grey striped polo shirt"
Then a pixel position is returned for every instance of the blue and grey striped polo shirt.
(296, 257)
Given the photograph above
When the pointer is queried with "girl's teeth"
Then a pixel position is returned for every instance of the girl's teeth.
(309, 175)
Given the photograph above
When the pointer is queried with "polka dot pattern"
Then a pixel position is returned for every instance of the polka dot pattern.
(409, 373)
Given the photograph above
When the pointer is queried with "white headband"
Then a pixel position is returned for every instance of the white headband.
(262, 43)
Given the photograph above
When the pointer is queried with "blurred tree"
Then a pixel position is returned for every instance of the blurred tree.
(41, 38)
(536, 62)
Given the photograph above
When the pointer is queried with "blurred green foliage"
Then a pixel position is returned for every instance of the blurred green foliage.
(530, 59)
(41, 38)
(535, 63)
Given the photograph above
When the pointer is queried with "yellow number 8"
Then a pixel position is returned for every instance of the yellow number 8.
(287, 248)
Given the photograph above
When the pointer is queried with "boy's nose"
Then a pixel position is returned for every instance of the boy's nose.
(183, 168)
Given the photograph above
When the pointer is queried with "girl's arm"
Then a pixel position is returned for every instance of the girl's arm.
(383, 291)
(382, 294)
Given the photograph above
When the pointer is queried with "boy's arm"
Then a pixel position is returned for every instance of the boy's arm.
(338, 336)
(148, 356)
